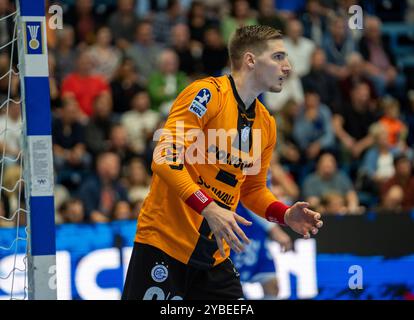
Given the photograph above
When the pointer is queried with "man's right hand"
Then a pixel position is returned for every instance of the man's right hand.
(223, 224)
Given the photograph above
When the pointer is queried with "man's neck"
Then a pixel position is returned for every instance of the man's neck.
(245, 88)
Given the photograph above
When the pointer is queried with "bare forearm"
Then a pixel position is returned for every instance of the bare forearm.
(352, 201)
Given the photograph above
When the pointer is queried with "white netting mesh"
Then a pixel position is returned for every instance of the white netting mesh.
(13, 216)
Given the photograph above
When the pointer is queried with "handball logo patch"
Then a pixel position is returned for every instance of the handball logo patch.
(33, 39)
(199, 104)
(159, 273)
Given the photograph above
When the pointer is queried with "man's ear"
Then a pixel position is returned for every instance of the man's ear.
(249, 59)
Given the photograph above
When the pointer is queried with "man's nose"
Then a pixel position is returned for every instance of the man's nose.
(286, 67)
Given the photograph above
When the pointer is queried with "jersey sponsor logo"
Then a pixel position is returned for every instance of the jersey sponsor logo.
(199, 104)
(230, 159)
(225, 197)
(159, 273)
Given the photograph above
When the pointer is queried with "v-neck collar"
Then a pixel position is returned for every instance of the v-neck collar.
(250, 112)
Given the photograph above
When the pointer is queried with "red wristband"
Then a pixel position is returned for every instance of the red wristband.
(275, 212)
(199, 200)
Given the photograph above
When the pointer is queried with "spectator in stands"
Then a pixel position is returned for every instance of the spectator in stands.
(182, 46)
(321, 81)
(355, 64)
(126, 83)
(299, 48)
(328, 179)
(10, 130)
(292, 91)
(105, 56)
(5, 219)
(198, 22)
(313, 127)
(394, 127)
(167, 82)
(392, 200)
(98, 128)
(351, 123)
(140, 122)
(53, 82)
(84, 84)
(381, 64)
(333, 203)
(268, 15)
(118, 143)
(72, 211)
(7, 89)
(241, 15)
(51, 41)
(377, 164)
(122, 211)
(287, 146)
(6, 25)
(338, 45)
(144, 51)
(123, 23)
(214, 56)
(101, 192)
(403, 178)
(164, 21)
(137, 180)
(71, 158)
(409, 118)
(85, 20)
(65, 52)
(15, 199)
(314, 21)
(61, 195)
(282, 184)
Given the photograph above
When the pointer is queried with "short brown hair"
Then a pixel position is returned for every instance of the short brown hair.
(252, 38)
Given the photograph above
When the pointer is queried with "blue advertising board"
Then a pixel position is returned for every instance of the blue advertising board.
(92, 260)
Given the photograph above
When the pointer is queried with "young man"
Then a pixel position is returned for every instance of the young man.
(187, 224)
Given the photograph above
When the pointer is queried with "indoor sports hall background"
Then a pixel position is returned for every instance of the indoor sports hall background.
(345, 138)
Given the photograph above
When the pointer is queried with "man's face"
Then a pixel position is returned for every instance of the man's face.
(108, 166)
(272, 67)
(85, 63)
(168, 62)
(295, 30)
(360, 94)
(144, 33)
(373, 29)
(326, 166)
(403, 168)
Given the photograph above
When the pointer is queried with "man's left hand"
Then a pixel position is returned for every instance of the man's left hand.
(303, 220)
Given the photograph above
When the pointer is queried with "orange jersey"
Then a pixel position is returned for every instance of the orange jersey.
(395, 127)
(166, 221)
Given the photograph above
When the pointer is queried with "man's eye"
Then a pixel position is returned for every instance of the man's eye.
(279, 56)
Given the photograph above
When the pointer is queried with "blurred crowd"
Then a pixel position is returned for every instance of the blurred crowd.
(345, 116)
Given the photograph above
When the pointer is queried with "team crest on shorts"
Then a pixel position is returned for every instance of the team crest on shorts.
(159, 273)
(199, 104)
